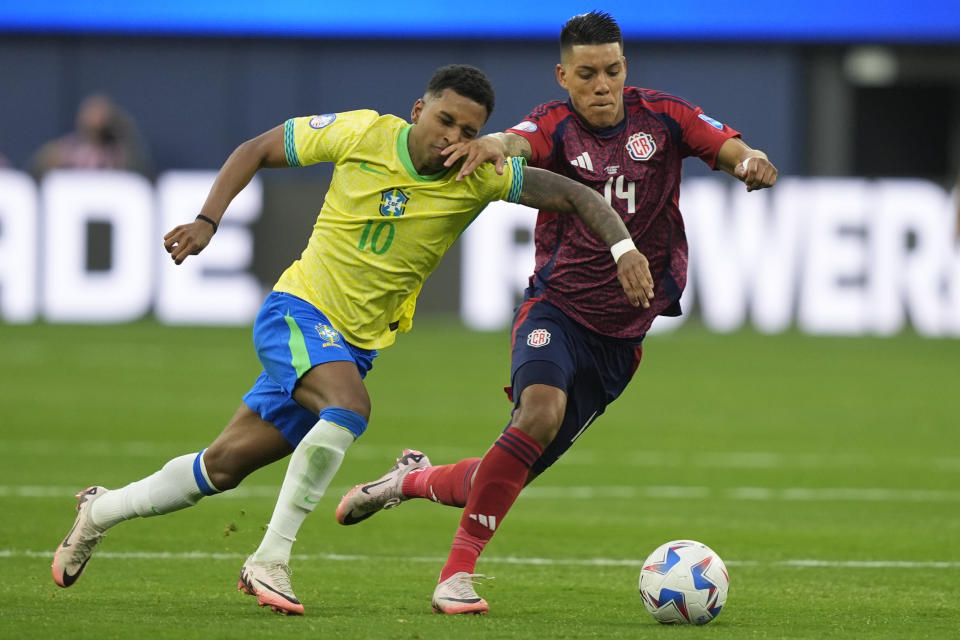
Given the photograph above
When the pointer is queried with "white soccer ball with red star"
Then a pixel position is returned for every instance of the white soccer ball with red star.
(684, 582)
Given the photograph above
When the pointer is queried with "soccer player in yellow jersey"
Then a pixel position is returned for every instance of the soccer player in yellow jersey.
(391, 212)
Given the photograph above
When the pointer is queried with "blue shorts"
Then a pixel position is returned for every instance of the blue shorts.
(550, 348)
(291, 337)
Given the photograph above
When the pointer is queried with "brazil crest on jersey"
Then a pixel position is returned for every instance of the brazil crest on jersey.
(383, 227)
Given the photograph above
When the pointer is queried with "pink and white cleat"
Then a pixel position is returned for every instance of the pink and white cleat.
(364, 500)
(270, 582)
(74, 552)
(456, 595)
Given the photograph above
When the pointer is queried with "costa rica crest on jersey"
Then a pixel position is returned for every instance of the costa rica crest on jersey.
(641, 146)
(538, 338)
(393, 202)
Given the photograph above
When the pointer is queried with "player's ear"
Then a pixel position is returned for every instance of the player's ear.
(417, 110)
(562, 75)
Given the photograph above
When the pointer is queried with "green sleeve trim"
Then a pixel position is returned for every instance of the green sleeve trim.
(289, 145)
(516, 186)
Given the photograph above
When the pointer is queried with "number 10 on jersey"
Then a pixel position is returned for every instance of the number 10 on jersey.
(377, 236)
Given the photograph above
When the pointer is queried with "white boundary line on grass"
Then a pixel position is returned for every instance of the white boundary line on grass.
(647, 459)
(667, 492)
(580, 562)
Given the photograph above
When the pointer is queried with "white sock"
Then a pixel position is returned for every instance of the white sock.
(176, 486)
(312, 466)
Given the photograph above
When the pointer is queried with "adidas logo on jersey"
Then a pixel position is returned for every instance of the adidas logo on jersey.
(583, 161)
(490, 522)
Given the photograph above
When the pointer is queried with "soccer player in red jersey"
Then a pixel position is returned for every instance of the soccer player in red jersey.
(576, 340)
(348, 296)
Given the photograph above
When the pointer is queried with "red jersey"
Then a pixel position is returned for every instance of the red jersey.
(636, 166)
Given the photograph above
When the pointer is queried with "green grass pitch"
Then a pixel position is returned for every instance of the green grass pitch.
(825, 471)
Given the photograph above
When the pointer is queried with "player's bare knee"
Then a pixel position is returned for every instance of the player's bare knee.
(542, 425)
(316, 401)
(221, 467)
(540, 413)
(359, 405)
(333, 384)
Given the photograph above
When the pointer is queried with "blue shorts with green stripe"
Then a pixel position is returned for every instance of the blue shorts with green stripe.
(291, 337)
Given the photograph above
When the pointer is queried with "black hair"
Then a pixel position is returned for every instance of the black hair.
(468, 81)
(596, 27)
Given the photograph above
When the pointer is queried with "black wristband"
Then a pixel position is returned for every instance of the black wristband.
(206, 219)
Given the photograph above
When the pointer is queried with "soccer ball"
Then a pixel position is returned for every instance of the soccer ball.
(684, 582)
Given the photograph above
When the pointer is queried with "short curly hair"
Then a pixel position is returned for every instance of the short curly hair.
(468, 81)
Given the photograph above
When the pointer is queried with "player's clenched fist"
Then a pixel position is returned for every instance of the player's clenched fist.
(187, 239)
(757, 172)
(633, 271)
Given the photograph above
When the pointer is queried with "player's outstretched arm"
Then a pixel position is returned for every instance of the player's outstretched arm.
(750, 166)
(266, 150)
(552, 192)
(494, 147)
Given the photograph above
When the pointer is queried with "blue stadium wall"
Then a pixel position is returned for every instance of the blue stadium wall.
(195, 99)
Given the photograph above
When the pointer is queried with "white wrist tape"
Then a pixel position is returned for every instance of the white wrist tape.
(621, 248)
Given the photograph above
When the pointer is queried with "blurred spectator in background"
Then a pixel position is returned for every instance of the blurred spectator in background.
(105, 138)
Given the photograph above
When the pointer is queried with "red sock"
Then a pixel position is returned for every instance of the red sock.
(447, 484)
(500, 477)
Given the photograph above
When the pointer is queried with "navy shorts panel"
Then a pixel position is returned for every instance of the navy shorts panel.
(540, 333)
(540, 372)
(593, 370)
(291, 337)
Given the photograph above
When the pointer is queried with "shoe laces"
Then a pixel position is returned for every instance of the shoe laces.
(400, 469)
(83, 544)
(279, 574)
(462, 587)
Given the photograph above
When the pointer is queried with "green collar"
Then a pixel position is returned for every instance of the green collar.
(403, 150)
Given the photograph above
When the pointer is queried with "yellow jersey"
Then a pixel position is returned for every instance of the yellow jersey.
(383, 227)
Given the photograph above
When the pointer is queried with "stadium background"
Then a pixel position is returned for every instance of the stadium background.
(857, 90)
(823, 469)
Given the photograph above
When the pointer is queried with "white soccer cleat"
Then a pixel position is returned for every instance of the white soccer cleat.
(74, 552)
(456, 595)
(270, 582)
(364, 500)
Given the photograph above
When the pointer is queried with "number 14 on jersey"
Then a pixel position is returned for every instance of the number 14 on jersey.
(623, 190)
